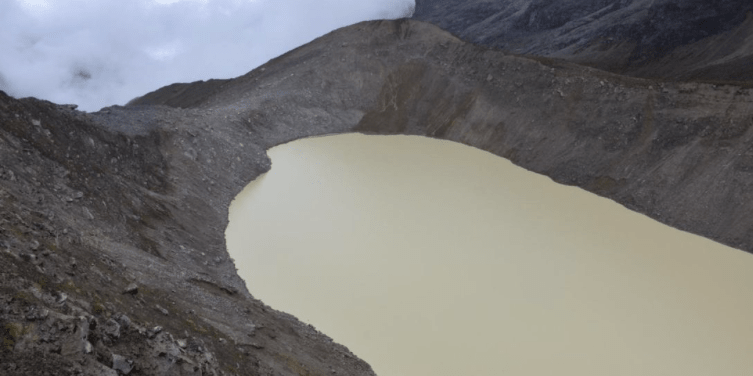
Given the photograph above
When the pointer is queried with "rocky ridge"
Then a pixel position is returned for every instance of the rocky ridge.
(112, 226)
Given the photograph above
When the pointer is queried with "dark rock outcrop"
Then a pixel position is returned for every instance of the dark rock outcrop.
(108, 220)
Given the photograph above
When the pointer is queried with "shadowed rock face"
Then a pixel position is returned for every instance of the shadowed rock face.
(678, 40)
(118, 217)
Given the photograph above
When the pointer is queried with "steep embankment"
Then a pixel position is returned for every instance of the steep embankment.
(92, 203)
(678, 40)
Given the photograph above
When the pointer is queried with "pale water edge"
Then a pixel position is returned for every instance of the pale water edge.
(427, 257)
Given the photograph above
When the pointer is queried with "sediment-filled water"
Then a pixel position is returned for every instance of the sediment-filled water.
(427, 257)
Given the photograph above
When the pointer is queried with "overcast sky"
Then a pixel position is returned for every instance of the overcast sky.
(104, 52)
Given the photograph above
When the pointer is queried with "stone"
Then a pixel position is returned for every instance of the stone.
(77, 342)
(191, 154)
(162, 310)
(28, 257)
(112, 328)
(34, 313)
(151, 333)
(102, 370)
(132, 289)
(88, 213)
(121, 364)
(124, 321)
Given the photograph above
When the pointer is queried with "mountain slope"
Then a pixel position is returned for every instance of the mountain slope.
(116, 219)
(695, 39)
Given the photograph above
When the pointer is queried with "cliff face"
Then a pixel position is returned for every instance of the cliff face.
(112, 223)
(677, 40)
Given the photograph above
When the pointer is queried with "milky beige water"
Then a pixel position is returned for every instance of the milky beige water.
(427, 257)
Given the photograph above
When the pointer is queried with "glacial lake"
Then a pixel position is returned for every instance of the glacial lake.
(427, 257)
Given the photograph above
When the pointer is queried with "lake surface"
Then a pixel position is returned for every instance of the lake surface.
(426, 257)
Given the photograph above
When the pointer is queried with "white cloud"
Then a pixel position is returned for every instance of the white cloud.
(104, 52)
(35, 6)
